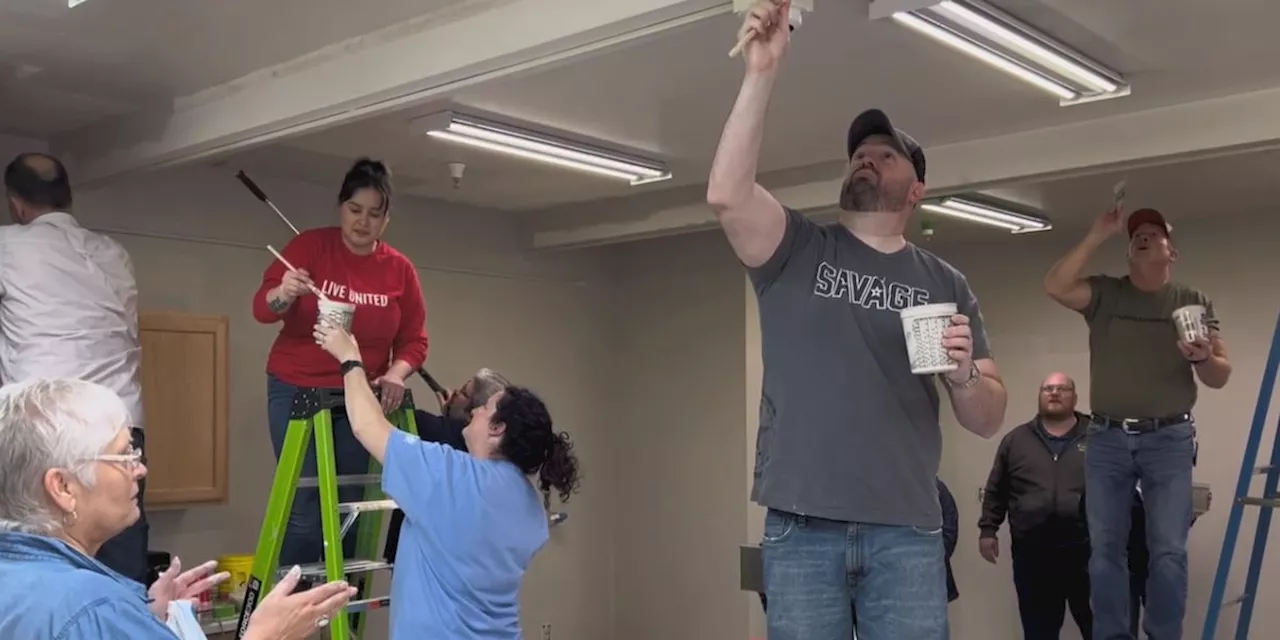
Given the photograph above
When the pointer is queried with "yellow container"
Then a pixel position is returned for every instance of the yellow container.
(239, 568)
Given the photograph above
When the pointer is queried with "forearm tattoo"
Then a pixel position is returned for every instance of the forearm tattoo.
(278, 305)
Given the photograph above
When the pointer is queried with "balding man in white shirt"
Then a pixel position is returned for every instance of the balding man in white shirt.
(69, 309)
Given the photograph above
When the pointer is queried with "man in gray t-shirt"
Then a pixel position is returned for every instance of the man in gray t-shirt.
(849, 442)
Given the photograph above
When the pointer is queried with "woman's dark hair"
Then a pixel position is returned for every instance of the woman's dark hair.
(367, 174)
(532, 445)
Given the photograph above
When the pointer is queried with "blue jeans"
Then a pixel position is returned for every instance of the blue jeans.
(817, 571)
(304, 537)
(1114, 461)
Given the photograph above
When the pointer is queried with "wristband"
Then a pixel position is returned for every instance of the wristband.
(349, 365)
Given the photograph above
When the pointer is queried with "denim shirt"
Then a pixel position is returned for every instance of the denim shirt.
(50, 591)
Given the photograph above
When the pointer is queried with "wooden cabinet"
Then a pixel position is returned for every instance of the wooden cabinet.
(184, 402)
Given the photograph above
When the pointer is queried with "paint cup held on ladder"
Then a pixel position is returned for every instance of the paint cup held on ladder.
(923, 326)
(1192, 323)
(336, 312)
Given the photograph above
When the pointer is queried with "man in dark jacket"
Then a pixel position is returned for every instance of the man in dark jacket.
(1038, 480)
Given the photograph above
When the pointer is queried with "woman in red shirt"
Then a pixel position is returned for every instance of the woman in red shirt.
(348, 263)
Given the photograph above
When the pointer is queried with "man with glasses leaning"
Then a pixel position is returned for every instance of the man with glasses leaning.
(69, 309)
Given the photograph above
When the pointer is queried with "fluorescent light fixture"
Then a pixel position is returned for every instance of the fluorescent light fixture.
(989, 214)
(540, 147)
(988, 34)
(71, 4)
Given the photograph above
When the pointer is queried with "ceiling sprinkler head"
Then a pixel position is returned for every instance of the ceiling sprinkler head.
(456, 169)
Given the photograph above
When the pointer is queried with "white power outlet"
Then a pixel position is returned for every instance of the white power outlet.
(546, 632)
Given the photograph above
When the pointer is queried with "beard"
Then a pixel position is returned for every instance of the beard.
(863, 195)
(1057, 412)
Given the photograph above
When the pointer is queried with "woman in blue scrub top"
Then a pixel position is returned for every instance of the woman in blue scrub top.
(473, 520)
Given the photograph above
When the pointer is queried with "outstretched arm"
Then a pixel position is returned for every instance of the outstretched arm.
(364, 411)
(752, 219)
(1065, 282)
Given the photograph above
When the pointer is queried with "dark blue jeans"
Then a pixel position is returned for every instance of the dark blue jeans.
(304, 537)
(816, 572)
(1114, 461)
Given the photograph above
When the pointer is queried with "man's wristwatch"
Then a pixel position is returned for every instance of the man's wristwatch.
(348, 365)
(974, 377)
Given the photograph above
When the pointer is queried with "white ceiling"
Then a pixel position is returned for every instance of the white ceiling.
(61, 69)
(668, 96)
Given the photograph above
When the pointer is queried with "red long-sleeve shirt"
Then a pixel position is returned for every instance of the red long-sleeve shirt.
(390, 318)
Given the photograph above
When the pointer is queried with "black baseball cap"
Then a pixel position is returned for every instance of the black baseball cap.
(874, 122)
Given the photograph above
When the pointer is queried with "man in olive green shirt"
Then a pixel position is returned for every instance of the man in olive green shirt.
(1142, 383)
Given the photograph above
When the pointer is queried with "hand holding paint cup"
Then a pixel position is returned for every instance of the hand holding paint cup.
(1192, 324)
(923, 326)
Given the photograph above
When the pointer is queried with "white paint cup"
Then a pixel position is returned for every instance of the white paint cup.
(1191, 322)
(923, 326)
(336, 312)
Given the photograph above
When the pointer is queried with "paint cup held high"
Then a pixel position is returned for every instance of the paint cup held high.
(1192, 323)
(923, 326)
(337, 313)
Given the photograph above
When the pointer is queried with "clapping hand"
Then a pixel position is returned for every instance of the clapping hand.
(174, 585)
(285, 615)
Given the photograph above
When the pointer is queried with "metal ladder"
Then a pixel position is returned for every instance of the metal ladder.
(1269, 500)
(312, 416)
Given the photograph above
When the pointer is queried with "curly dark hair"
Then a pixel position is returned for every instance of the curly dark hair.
(532, 445)
(367, 174)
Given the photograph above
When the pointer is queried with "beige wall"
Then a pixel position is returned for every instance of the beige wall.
(681, 503)
(196, 238)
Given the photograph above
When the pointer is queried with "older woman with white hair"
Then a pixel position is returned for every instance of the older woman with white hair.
(69, 482)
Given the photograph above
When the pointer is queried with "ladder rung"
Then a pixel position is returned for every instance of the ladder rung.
(1266, 468)
(317, 569)
(343, 481)
(1270, 503)
(356, 606)
(367, 505)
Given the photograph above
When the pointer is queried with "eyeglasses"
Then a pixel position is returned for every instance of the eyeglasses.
(130, 460)
(1060, 388)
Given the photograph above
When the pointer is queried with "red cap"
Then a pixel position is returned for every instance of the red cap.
(1147, 216)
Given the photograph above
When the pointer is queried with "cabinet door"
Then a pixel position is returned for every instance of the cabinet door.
(184, 400)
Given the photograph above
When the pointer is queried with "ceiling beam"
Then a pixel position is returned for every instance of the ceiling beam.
(394, 68)
(1220, 126)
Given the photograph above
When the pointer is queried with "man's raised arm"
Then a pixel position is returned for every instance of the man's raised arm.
(1064, 282)
(752, 219)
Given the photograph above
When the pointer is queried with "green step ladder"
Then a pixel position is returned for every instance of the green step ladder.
(312, 416)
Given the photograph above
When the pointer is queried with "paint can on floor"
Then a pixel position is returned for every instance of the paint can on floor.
(239, 568)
